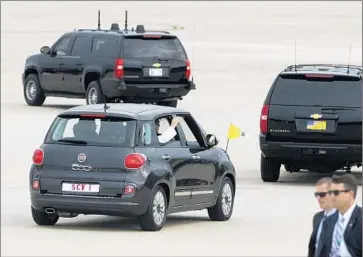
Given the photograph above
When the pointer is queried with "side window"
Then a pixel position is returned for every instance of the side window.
(62, 47)
(106, 46)
(192, 136)
(161, 126)
(146, 134)
(81, 46)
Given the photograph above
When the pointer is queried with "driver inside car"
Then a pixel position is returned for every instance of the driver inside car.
(169, 133)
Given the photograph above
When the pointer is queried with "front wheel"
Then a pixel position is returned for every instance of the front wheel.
(33, 93)
(223, 208)
(155, 216)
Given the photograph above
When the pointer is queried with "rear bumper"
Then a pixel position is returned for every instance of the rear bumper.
(145, 92)
(127, 206)
(333, 153)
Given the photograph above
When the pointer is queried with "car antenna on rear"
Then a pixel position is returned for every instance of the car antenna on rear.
(125, 20)
(99, 20)
(295, 56)
(350, 51)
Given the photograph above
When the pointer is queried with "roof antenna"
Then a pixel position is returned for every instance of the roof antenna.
(295, 56)
(126, 20)
(105, 106)
(350, 51)
(99, 20)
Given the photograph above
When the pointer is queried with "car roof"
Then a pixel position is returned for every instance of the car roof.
(135, 111)
(328, 69)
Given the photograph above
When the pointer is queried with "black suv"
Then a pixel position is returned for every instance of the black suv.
(312, 120)
(121, 65)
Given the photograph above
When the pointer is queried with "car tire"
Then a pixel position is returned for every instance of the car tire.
(147, 221)
(223, 209)
(173, 103)
(270, 169)
(33, 93)
(94, 94)
(43, 219)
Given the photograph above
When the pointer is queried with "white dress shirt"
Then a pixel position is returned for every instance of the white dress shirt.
(168, 135)
(329, 213)
(343, 250)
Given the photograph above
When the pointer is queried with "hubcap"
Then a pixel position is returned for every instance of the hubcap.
(158, 208)
(92, 96)
(226, 199)
(31, 90)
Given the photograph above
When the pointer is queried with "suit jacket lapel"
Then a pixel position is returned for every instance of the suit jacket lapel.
(351, 223)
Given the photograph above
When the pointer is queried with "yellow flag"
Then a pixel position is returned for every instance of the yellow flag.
(234, 132)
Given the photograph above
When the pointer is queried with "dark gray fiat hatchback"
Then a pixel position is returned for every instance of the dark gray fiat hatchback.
(107, 160)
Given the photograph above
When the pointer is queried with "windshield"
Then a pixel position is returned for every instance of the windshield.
(103, 131)
(162, 48)
(297, 90)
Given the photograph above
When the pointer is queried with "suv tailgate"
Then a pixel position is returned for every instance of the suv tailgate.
(316, 109)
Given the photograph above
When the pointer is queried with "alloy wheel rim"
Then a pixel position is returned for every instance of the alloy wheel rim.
(92, 96)
(158, 208)
(226, 199)
(31, 90)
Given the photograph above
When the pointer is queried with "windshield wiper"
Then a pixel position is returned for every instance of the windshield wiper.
(73, 141)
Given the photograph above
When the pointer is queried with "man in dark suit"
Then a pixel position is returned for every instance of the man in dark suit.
(346, 240)
(322, 221)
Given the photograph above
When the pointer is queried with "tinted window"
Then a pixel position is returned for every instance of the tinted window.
(297, 90)
(62, 47)
(164, 48)
(95, 131)
(105, 46)
(81, 46)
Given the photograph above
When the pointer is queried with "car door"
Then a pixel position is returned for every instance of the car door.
(205, 161)
(74, 69)
(52, 70)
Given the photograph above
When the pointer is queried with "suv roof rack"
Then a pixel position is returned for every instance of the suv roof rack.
(328, 68)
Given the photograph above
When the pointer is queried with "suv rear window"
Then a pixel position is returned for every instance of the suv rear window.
(104, 131)
(341, 91)
(162, 48)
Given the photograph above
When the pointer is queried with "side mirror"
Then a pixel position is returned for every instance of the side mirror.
(211, 140)
(45, 50)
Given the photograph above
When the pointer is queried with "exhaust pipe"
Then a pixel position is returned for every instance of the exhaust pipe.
(49, 211)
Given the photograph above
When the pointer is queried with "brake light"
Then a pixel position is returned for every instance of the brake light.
(135, 161)
(318, 76)
(151, 36)
(38, 156)
(188, 69)
(263, 119)
(119, 68)
(93, 115)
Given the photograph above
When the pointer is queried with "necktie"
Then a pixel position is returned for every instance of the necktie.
(321, 236)
(338, 236)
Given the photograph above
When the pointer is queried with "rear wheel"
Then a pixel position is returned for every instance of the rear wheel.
(270, 169)
(223, 208)
(43, 219)
(94, 94)
(173, 103)
(155, 216)
(33, 93)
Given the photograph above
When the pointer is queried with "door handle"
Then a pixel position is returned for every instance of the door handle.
(166, 157)
(61, 64)
(196, 157)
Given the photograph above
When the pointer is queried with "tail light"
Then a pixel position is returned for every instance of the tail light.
(188, 69)
(135, 161)
(119, 68)
(38, 156)
(263, 119)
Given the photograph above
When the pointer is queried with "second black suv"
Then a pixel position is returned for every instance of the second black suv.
(312, 119)
(122, 65)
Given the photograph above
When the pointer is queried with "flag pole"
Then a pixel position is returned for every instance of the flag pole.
(227, 144)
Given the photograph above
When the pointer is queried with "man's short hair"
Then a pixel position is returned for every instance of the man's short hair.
(325, 180)
(349, 182)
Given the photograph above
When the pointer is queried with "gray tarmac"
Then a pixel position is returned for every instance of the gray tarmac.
(236, 49)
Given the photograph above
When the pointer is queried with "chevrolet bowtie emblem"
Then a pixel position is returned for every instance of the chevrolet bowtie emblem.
(316, 116)
(156, 65)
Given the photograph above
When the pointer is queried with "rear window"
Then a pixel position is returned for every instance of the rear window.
(298, 90)
(162, 48)
(108, 131)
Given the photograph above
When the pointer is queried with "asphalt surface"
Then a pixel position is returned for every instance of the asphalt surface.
(236, 49)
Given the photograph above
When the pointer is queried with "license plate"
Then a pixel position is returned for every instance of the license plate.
(75, 187)
(316, 125)
(153, 72)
